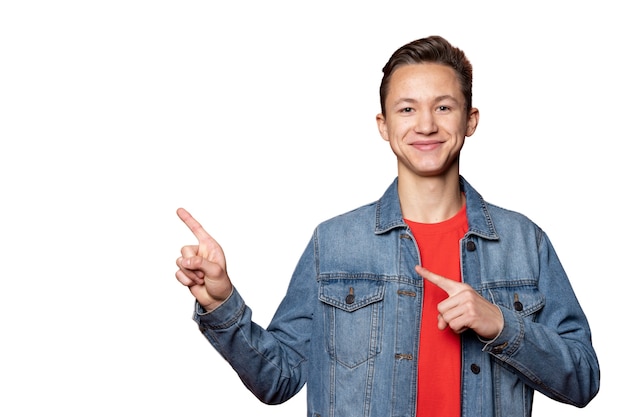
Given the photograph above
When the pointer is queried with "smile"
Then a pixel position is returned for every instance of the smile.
(426, 145)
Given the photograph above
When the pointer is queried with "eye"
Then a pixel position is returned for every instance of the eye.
(406, 110)
(443, 108)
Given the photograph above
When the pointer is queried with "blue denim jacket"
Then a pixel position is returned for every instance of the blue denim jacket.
(348, 326)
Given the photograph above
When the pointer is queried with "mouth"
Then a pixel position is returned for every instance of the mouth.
(426, 145)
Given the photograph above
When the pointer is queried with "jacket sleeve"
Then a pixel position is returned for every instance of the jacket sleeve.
(272, 362)
(553, 352)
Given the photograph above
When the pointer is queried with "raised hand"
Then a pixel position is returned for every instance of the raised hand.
(464, 308)
(202, 267)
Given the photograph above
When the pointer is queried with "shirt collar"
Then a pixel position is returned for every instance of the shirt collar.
(389, 214)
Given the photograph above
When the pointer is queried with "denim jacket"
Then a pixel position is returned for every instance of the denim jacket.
(349, 323)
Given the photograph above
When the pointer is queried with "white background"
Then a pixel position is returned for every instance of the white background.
(259, 118)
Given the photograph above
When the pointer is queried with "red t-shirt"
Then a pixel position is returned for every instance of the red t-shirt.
(439, 357)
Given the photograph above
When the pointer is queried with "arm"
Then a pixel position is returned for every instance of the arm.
(552, 353)
(270, 362)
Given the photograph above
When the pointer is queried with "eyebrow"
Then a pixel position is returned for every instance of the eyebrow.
(436, 100)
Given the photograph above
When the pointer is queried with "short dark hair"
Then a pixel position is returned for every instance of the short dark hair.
(433, 49)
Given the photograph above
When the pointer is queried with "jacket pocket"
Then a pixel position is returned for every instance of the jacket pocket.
(353, 311)
(525, 300)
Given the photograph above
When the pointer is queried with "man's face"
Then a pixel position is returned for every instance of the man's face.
(426, 121)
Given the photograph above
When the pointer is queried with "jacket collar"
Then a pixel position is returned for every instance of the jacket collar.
(389, 214)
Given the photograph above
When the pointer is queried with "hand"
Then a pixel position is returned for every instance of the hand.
(202, 267)
(464, 308)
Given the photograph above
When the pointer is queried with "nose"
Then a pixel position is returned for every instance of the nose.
(424, 123)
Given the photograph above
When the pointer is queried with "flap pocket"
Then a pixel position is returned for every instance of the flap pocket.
(351, 294)
(523, 299)
(353, 312)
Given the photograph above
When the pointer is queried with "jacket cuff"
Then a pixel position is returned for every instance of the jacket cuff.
(509, 339)
(223, 316)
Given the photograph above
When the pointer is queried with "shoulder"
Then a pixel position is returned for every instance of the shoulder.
(360, 217)
(504, 214)
(511, 225)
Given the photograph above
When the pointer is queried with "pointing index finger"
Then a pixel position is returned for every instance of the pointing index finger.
(448, 285)
(196, 228)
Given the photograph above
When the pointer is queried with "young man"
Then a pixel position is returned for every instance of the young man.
(427, 302)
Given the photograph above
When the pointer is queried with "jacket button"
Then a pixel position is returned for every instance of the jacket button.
(470, 246)
(500, 348)
(350, 296)
(475, 368)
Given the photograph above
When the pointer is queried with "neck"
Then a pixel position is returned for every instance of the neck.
(430, 200)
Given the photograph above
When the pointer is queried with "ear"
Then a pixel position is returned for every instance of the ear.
(382, 126)
(472, 121)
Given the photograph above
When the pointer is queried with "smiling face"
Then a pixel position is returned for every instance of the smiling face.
(426, 120)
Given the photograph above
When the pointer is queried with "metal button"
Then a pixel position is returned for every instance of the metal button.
(470, 246)
(350, 296)
(500, 348)
(475, 368)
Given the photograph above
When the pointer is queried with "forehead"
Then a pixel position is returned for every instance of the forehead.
(424, 78)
